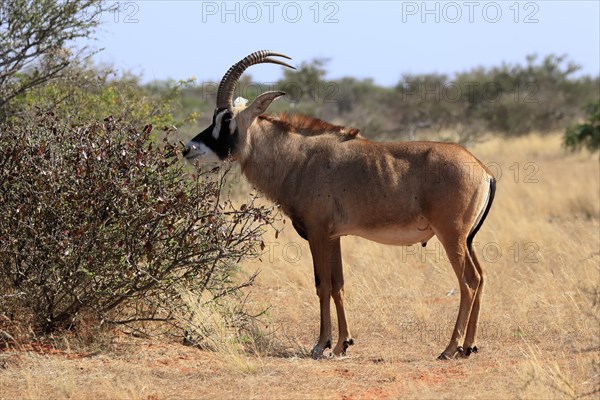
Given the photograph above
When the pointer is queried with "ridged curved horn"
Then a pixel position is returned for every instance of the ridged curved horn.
(230, 79)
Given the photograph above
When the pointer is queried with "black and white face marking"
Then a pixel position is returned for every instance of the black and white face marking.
(216, 142)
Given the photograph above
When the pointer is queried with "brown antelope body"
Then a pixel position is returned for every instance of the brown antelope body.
(332, 182)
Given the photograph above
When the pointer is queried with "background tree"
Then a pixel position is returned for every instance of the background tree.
(36, 42)
(305, 87)
(587, 134)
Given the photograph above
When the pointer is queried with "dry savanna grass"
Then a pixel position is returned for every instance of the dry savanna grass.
(539, 329)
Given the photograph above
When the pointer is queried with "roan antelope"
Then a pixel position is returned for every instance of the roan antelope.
(332, 182)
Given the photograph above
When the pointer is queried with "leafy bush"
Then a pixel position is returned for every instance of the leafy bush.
(100, 218)
(587, 134)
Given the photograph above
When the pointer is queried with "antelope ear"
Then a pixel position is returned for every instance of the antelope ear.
(260, 104)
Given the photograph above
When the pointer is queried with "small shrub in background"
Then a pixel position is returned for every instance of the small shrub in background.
(87, 93)
(587, 134)
(100, 219)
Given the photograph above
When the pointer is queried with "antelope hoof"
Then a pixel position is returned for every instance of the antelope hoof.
(446, 355)
(471, 350)
(317, 351)
(462, 352)
(341, 347)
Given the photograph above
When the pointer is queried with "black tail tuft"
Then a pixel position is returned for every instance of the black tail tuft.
(485, 213)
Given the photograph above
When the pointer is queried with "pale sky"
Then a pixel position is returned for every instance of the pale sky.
(363, 39)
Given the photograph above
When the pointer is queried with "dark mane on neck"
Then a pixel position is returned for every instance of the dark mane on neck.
(308, 126)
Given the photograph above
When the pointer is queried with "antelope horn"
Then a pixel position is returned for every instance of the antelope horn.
(230, 79)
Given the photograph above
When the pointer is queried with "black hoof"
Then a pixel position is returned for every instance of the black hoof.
(443, 356)
(328, 344)
(471, 350)
(348, 343)
(460, 350)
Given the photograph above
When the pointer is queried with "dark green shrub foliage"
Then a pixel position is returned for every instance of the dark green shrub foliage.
(102, 219)
(587, 134)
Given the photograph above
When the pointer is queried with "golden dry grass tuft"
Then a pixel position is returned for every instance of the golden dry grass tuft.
(539, 329)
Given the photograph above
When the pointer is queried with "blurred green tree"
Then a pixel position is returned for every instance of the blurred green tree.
(36, 42)
(586, 134)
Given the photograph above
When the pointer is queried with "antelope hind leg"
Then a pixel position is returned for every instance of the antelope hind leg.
(468, 280)
(471, 336)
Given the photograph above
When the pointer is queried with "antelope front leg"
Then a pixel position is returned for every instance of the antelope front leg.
(337, 280)
(321, 253)
(345, 339)
(325, 332)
